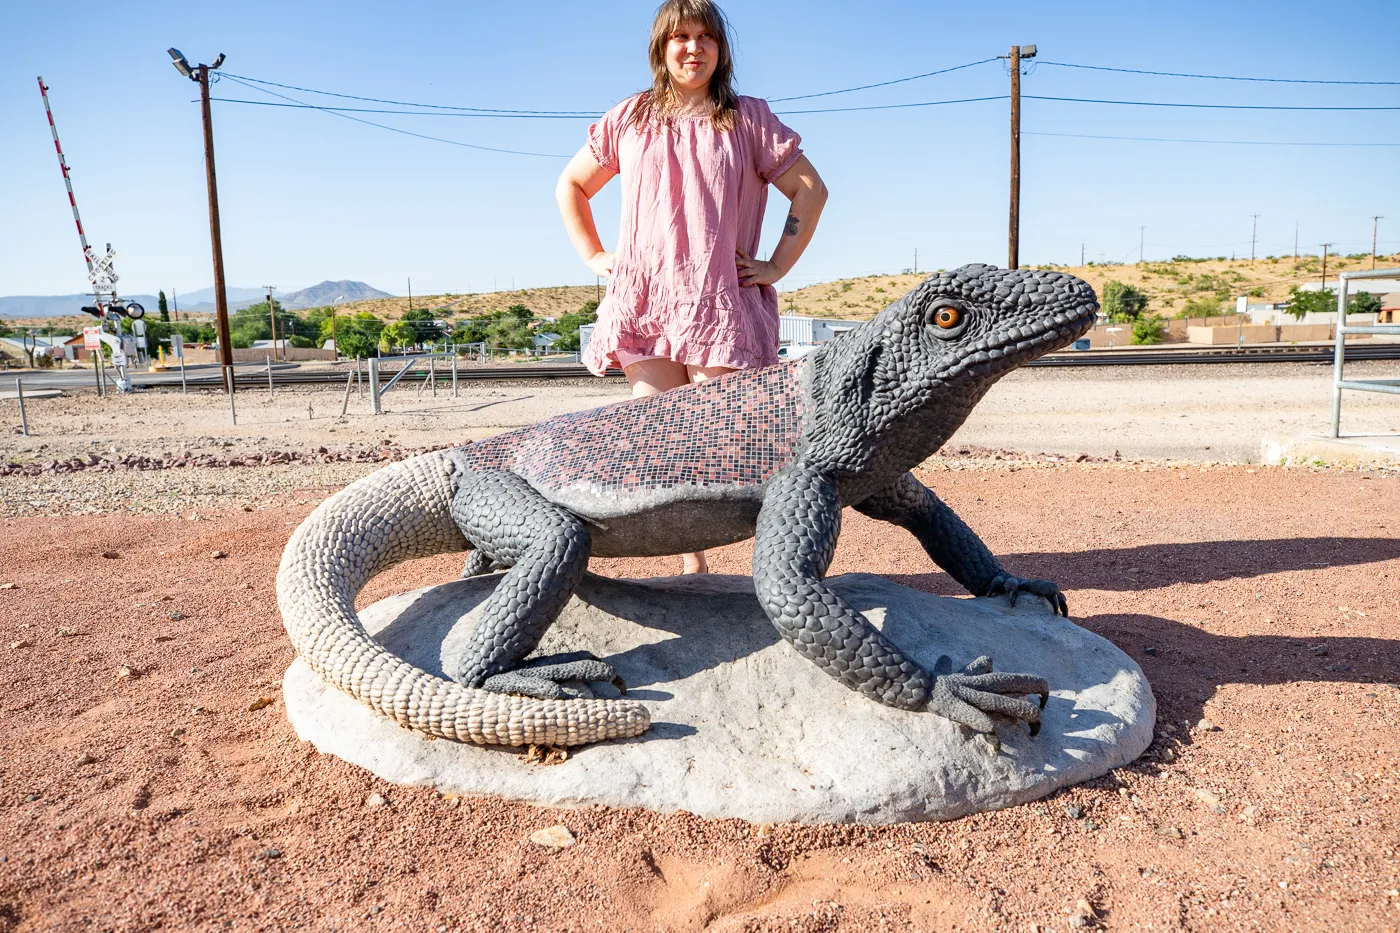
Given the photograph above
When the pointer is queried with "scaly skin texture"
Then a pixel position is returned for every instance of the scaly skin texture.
(772, 454)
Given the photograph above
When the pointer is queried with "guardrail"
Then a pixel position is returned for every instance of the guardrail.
(376, 393)
(1339, 382)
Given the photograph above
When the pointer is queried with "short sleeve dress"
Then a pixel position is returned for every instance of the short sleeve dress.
(690, 196)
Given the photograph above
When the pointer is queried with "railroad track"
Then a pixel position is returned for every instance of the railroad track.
(1143, 357)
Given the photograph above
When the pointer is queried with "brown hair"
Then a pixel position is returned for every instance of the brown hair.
(660, 101)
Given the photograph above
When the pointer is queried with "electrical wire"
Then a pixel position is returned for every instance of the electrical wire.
(409, 113)
(1177, 74)
(1153, 103)
(1218, 142)
(395, 129)
(866, 87)
(925, 103)
(400, 103)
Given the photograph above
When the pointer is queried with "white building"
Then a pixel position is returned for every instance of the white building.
(792, 331)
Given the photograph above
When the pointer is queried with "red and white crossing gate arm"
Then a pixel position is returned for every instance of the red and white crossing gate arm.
(68, 182)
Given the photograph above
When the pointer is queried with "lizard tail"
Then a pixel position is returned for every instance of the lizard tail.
(395, 514)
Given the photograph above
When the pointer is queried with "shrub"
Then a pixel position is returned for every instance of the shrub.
(1301, 302)
(1122, 302)
(1149, 329)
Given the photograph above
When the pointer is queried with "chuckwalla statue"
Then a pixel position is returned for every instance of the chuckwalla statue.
(772, 454)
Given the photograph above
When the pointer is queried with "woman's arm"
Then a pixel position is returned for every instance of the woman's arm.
(804, 188)
(583, 177)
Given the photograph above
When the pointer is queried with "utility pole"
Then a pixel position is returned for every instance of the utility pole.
(1253, 232)
(1142, 237)
(1375, 222)
(1324, 266)
(200, 75)
(1081, 255)
(1013, 245)
(410, 294)
(272, 317)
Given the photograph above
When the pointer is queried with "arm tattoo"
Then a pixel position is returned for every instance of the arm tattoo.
(790, 225)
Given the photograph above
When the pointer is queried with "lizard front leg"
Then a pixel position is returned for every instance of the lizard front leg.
(793, 545)
(952, 544)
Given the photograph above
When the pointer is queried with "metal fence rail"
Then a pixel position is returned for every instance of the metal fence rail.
(1339, 382)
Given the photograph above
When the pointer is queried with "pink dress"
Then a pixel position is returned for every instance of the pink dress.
(690, 195)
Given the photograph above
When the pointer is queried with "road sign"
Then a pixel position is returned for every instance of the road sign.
(91, 338)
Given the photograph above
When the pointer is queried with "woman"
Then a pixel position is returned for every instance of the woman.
(686, 300)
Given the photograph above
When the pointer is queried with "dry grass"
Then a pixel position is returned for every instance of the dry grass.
(1168, 285)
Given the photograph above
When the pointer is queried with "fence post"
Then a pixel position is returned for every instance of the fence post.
(349, 381)
(1339, 356)
(228, 381)
(184, 389)
(454, 370)
(374, 385)
(269, 377)
(23, 420)
(432, 374)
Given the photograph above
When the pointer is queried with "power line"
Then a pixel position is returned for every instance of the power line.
(866, 87)
(925, 103)
(395, 129)
(412, 113)
(1177, 74)
(1217, 142)
(1153, 103)
(401, 103)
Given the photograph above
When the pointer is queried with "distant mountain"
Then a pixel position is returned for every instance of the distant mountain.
(196, 302)
(59, 305)
(330, 293)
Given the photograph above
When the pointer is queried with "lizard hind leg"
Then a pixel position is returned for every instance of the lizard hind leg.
(546, 548)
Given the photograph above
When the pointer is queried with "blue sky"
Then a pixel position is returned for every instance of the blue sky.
(306, 196)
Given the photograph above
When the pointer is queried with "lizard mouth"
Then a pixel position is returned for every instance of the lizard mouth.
(988, 357)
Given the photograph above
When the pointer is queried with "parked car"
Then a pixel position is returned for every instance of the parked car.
(791, 351)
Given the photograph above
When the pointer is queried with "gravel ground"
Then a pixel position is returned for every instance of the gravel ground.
(141, 789)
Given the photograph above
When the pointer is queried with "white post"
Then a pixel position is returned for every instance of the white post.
(269, 377)
(454, 370)
(228, 380)
(374, 385)
(349, 381)
(184, 389)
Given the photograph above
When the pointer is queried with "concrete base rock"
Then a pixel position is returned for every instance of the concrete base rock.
(744, 727)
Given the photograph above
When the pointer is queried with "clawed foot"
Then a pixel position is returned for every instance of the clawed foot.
(564, 677)
(967, 696)
(1013, 586)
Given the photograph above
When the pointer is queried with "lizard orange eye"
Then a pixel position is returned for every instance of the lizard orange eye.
(947, 317)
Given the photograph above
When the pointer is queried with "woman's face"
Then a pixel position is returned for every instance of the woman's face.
(691, 56)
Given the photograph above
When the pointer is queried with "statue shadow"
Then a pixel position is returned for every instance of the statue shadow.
(1155, 565)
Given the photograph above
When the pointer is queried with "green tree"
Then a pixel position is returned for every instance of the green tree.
(163, 307)
(358, 334)
(400, 334)
(1149, 329)
(567, 326)
(1364, 303)
(423, 325)
(1301, 302)
(1122, 302)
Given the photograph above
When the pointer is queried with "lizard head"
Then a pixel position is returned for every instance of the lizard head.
(923, 362)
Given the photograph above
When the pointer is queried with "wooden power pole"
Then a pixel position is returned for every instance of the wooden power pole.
(1375, 222)
(1325, 247)
(1013, 245)
(216, 239)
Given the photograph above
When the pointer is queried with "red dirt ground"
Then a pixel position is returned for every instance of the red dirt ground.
(159, 800)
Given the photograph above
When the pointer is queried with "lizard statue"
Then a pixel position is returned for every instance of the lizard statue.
(772, 453)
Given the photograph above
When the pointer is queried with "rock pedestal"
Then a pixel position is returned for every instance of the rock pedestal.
(742, 726)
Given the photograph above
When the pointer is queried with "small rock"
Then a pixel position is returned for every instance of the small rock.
(1171, 832)
(64, 631)
(1073, 812)
(376, 800)
(127, 672)
(258, 704)
(1150, 652)
(110, 555)
(9, 586)
(30, 798)
(1209, 799)
(161, 638)
(270, 853)
(219, 555)
(177, 732)
(555, 837)
(1205, 725)
(85, 759)
(247, 508)
(22, 643)
(175, 616)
